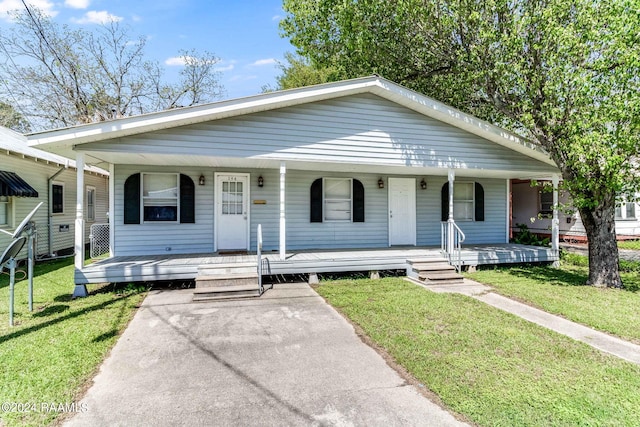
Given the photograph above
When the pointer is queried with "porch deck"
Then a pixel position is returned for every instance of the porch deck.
(185, 267)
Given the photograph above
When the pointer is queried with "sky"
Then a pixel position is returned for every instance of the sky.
(244, 34)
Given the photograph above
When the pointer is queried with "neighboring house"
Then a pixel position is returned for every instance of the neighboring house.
(533, 207)
(363, 163)
(29, 176)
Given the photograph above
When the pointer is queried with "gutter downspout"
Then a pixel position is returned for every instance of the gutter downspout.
(50, 206)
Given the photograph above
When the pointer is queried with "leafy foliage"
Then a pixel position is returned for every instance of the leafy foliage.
(62, 76)
(299, 72)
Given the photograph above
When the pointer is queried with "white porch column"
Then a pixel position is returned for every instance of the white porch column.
(450, 220)
(555, 223)
(112, 209)
(80, 290)
(283, 225)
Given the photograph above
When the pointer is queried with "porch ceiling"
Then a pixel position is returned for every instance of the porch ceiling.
(103, 159)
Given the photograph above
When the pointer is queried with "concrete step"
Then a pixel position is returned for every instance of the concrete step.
(434, 270)
(427, 260)
(226, 280)
(226, 292)
(441, 278)
(433, 266)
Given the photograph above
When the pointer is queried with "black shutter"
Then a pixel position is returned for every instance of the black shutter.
(187, 200)
(444, 200)
(358, 201)
(316, 201)
(479, 198)
(132, 199)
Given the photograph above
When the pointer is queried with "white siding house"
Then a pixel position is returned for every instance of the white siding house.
(50, 179)
(532, 206)
(363, 163)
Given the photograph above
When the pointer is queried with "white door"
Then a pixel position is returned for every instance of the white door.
(232, 211)
(402, 211)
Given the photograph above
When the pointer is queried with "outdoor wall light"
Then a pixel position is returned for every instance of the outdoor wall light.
(260, 181)
(201, 180)
(380, 183)
(423, 184)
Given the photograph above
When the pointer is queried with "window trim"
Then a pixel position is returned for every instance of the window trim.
(9, 207)
(59, 184)
(90, 188)
(324, 199)
(143, 198)
(472, 201)
(623, 208)
(541, 210)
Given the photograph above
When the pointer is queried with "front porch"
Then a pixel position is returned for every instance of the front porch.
(185, 267)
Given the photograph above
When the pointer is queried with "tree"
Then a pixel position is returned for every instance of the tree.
(12, 119)
(299, 72)
(64, 76)
(563, 74)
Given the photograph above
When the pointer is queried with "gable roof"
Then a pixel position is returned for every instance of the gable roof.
(63, 140)
(14, 142)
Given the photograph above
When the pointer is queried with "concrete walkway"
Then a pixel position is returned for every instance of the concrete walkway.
(286, 358)
(596, 339)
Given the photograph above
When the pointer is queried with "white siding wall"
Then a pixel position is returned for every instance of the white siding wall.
(165, 238)
(36, 174)
(362, 129)
(134, 239)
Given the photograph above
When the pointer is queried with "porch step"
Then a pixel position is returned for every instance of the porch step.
(233, 268)
(434, 271)
(225, 292)
(225, 280)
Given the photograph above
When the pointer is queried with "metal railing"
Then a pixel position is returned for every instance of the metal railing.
(263, 263)
(451, 239)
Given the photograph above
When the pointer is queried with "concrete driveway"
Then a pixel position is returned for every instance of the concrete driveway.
(286, 358)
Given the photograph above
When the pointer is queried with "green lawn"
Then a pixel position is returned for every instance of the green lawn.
(563, 291)
(51, 353)
(494, 368)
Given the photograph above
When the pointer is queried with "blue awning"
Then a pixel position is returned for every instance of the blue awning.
(12, 185)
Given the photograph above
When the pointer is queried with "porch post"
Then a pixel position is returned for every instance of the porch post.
(283, 228)
(80, 290)
(555, 223)
(112, 209)
(450, 220)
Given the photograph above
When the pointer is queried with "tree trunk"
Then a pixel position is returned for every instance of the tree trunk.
(599, 224)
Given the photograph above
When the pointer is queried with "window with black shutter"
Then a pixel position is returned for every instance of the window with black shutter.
(336, 199)
(162, 196)
(468, 201)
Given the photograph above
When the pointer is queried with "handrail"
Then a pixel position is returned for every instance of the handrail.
(451, 239)
(259, 256)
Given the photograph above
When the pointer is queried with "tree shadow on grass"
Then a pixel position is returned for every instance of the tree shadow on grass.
(553, 276)
(71, 315)
(52, 309)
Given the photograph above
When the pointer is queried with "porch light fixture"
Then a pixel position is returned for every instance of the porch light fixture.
(423, 184)
(380, 183)
(260, 181)
(201, 180)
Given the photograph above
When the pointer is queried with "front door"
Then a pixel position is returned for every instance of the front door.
(232, 211)
(402, 211)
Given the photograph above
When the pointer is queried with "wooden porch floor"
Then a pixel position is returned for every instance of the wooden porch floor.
(185, 267)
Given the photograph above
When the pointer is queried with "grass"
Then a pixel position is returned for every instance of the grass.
(562, 291)
(629, 244)
(492, 367)
(51, 353)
